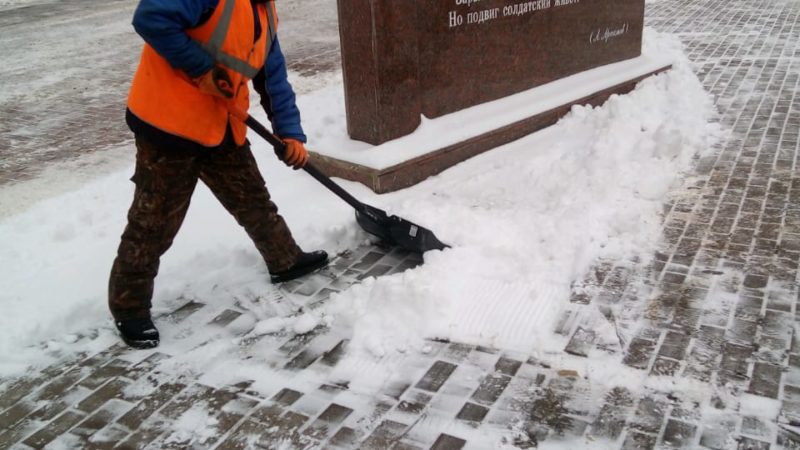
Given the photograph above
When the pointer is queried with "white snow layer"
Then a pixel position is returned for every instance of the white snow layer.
(524, 221)
(460, 126)
(10, 4)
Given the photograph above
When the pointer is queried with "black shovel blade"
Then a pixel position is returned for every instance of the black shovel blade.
(392, 229)
(398, 231)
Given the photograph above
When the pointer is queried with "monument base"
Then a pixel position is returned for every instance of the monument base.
(445, 141)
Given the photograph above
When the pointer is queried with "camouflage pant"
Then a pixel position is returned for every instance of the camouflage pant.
(165, 180)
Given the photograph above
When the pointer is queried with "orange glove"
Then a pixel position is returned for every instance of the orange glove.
(296, 154)
(216, 82)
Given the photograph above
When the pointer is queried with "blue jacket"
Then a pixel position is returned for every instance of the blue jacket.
(161, 23)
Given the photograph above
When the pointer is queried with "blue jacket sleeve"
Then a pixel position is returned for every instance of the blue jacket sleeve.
(161, 23)
(282, 109)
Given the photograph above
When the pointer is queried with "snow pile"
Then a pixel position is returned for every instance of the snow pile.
(524, 220)
(297, 325)
(528, 219)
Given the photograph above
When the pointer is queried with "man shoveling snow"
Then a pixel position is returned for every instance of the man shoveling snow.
(196, 62)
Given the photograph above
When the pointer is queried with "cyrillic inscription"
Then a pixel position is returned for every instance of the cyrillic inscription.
(456, 18)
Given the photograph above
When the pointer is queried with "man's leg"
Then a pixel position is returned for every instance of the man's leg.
(165, 180)
(233, 177)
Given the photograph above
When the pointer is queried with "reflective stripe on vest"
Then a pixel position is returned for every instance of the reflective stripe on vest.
(167, 99)
(214, 45)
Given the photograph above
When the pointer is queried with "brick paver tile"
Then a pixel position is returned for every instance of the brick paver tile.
(436, 376)
(32, 422)
(54, 429)
(384, 436)
(678, 434)
(639, 441)
(472, 413)
(16, 414)
(491, 388)
(766, 380)
(345, 438)
(640, 353)
(14, 391)
(112, 389)
(244, 436)
(150, 404)
(447, 442)
(613, 415)
(327, 422)
(140, 439)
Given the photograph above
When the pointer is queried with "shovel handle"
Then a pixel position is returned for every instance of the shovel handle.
(256, 126)
(312, 170)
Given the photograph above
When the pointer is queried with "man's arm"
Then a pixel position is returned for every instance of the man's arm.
(161, 23)
(277, 96)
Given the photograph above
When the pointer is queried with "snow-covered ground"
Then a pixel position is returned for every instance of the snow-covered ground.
(19, 3)
(525, 221)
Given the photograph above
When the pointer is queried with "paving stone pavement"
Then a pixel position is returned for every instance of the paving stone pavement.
(714, 313)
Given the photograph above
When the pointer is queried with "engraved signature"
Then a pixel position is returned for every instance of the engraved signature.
(604, 35)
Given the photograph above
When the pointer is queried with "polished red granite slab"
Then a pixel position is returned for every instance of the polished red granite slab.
(402, 59)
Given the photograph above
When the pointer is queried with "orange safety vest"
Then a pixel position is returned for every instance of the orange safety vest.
(169, 100)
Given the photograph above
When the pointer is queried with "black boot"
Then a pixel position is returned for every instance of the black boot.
(138, 333)
(305, 264)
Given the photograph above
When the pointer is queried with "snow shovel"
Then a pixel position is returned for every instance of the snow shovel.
(391, 229)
